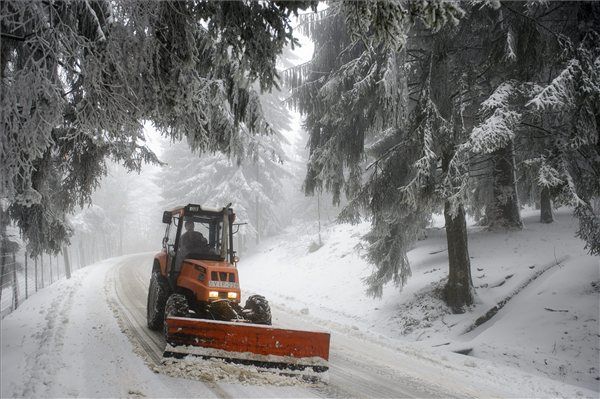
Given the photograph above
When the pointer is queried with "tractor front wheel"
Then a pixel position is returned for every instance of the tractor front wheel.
(257, 310)
(177, 306)
(157, 298)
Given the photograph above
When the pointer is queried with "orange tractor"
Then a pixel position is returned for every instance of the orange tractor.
(195, 297)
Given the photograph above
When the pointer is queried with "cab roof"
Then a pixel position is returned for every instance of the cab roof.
(195, 209)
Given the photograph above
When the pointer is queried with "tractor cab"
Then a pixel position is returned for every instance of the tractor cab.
(197, 242)
(198, 232)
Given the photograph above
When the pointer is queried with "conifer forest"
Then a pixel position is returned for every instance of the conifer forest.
(402, 120)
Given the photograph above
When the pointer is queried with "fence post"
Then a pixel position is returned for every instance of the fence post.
(26, 282)
(67, 265)
(15, 283)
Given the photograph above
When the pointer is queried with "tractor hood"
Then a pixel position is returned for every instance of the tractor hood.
(211, 264)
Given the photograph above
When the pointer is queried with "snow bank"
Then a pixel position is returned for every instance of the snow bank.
(214, 370)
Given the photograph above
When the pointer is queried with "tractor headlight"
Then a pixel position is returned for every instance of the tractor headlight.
(213, 294)
(232, 295)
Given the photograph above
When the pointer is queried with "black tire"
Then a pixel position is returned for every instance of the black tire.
(223, 310)
(257, 310)
(176, 306)
(157, 298)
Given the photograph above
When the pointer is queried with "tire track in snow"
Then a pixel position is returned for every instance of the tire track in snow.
(126, 320)
(123, 299)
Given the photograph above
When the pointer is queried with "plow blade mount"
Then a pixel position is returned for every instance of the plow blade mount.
(244, 343)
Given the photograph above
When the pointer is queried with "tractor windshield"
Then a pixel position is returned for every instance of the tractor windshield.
(202, 238)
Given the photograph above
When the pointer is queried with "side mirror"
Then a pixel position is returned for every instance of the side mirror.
(166, 217)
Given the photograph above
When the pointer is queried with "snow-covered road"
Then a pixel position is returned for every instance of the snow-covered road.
(357, 367)
(87, 337)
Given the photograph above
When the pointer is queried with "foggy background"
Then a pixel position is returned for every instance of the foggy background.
(265, 189)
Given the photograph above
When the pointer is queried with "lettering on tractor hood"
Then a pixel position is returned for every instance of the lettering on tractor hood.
(223, 284)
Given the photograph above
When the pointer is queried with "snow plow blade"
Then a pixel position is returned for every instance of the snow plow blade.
(245, 343)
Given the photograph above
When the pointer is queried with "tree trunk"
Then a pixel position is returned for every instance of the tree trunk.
(546, 206)
(89, 254)
(36, 274)
(459, 289)
(121, 238)
(505, 206)
(42, 268)
(319, 217)
(67, 264)
(82, 262)
(51, 271)
(107, 253)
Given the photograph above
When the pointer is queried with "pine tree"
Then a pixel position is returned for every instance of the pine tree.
(522, 50)
(354, 88)
(78, 79)
(570, 105)
(541, 39)
(440, 118)
(252, 183)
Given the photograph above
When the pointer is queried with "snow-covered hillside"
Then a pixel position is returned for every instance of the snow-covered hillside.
(548, 286)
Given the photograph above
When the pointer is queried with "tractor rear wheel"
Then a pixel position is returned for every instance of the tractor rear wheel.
(157, 298)
(257, 310)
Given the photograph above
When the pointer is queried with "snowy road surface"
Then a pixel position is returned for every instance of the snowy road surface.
(357, 369)
(66, 341)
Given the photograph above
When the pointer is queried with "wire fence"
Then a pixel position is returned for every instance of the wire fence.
(22, 276)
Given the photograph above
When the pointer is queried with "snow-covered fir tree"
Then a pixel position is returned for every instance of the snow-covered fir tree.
(252, 183)
(570, 107)
(539, 41)
(440, 123)
(79, 78)
(252, 186)
(355, 88)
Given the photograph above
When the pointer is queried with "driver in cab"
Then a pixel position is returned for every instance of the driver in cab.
(193, 241)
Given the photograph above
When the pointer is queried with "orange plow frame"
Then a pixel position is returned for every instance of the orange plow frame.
(246, 343)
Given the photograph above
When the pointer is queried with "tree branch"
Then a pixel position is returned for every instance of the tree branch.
(13, 37)
(531, 19)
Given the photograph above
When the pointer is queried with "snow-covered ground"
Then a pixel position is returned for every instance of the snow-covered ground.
(549, 326)
(67, 341)
(70, 340)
